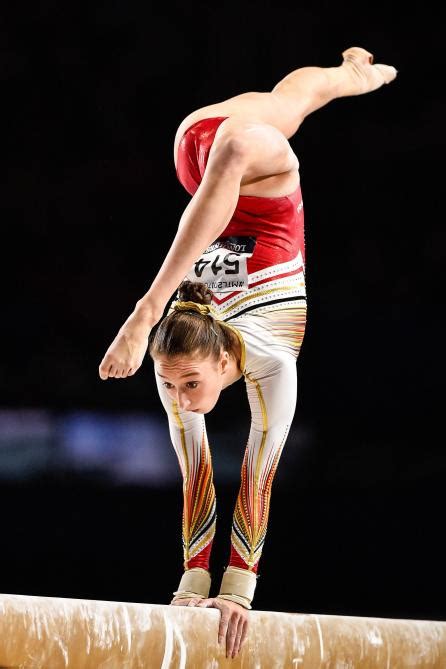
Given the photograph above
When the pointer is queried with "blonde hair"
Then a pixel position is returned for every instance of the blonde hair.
(192, 327)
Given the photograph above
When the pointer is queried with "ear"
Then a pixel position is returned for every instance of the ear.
(224, 361)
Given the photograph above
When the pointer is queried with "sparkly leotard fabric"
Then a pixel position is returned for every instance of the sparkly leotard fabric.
(256, 272)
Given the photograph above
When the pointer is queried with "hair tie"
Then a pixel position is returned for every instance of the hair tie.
(203, 309)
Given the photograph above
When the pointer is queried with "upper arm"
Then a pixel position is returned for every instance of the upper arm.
(272, 395)
(261, 148)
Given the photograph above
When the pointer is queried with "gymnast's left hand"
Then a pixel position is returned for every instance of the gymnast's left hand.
(126, 352)
(233, 623)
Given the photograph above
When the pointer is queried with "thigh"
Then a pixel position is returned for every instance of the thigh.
(253, 106)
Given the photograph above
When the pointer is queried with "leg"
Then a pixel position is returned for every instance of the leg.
(300, 93)
(309, 88)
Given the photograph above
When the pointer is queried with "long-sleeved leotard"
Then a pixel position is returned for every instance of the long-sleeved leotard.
(256, 272)
(271, 343)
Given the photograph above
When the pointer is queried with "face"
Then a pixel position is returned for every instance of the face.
(194, 382)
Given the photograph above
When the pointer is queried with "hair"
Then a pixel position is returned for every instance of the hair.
(189, 332)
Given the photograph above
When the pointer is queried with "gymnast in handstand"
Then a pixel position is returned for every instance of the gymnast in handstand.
(237, 265)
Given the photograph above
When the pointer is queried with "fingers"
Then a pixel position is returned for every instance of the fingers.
(235, 634)
(231, 627)
(233, 624)
(223, 628)
(185, 601)
(244, 634)
(194, 602)
(205, 603)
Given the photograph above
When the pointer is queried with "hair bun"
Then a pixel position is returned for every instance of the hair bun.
(194, 291)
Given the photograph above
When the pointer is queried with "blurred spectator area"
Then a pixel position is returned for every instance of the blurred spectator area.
(125, 448)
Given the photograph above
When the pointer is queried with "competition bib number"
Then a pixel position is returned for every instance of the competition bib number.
(223, 266)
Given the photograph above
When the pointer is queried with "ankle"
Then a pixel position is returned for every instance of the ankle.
(346, 79)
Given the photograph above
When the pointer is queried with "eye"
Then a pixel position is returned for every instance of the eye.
(167, 385)
(192, 384)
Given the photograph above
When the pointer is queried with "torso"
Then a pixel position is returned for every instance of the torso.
(269, 274)
(271, 186)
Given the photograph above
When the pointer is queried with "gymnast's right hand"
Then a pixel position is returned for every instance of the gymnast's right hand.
(126, 352)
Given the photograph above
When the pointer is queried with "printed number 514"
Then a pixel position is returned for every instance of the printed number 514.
(201, 264)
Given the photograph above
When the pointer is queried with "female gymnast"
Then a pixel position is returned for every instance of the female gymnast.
(239, 259)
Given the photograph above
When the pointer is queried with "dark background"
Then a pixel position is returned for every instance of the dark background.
(92, 95)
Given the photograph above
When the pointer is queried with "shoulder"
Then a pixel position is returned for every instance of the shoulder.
(256, 342)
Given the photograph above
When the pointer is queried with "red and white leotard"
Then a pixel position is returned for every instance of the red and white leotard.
(257, 264)
(256, 272)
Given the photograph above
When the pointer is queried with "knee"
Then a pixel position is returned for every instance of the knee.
(228, 151)
(232, 140)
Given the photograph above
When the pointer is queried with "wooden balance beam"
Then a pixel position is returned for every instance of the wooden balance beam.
(53, 633)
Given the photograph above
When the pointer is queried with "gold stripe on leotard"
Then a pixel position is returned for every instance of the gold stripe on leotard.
(253, 295)
(256, 529)
(185, 475)
(183, 438)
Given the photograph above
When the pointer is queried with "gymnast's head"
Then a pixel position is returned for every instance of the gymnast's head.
(195, 354)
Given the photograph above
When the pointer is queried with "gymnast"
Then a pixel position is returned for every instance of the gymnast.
(237, 266)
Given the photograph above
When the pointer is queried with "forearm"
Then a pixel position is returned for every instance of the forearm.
(190, 441)
(203, 220)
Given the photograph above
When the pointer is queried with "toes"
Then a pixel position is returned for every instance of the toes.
(113, 371)
(104, 372)
(388, 72)
(104, 369)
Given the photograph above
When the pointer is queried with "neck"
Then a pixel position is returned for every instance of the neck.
(233, 373)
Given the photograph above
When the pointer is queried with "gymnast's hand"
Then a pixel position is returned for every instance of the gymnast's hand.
(126, 352)
(233, 620)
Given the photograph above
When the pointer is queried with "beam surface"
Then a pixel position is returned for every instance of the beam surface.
(53, 633)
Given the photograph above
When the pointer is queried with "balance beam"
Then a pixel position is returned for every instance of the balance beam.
(53, 633)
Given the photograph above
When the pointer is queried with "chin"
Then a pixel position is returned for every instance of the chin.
(207, 410)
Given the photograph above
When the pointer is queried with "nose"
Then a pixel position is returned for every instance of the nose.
(183, 401)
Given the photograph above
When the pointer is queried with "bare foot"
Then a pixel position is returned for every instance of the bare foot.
(126, 352)
(366, 76)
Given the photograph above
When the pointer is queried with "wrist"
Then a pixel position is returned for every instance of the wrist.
(195, 582)
(238, 585)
